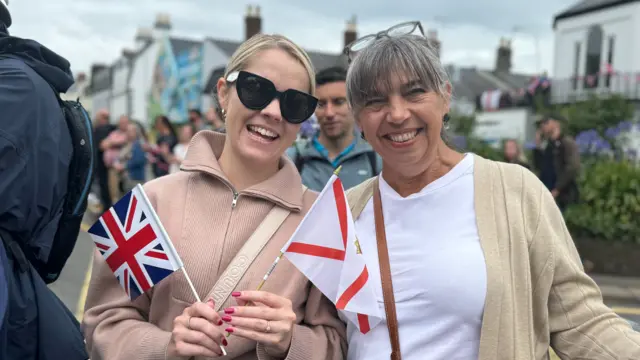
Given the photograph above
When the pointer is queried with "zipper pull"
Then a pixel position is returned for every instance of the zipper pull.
(235, 200)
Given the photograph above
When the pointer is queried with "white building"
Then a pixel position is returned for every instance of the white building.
(596, 50)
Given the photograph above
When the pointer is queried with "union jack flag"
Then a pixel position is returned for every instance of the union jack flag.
(134, 244)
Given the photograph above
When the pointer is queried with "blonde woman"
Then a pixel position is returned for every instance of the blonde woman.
(226, 187)
(176, 157)
(512, 152)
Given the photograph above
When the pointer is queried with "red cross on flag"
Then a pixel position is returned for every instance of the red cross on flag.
(324, 248)
(134, 244)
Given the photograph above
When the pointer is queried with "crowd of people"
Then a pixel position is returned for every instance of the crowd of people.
(127, 156)
(556, 159)
(125, 151)
(468, 258)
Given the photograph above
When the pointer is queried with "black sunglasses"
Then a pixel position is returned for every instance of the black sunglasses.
(405, 28)
(256, 93)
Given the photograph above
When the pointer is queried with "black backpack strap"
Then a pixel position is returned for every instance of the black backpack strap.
(373, 161)
(14, 251)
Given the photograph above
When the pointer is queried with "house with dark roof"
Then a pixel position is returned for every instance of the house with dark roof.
(165, 74)
(596, 50)
(469, 83)
(253, 25)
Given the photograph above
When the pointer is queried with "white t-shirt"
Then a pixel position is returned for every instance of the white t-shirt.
(437, 267)
(179, 151)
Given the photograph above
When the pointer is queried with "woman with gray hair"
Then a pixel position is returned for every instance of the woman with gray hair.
(470, 258)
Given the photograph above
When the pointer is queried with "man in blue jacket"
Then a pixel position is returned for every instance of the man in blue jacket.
(35, 154)
(337, 142)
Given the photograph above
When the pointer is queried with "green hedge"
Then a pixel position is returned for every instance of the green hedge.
(609, 207)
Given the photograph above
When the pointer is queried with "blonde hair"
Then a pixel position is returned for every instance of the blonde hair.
(260, 42)
(521, 155)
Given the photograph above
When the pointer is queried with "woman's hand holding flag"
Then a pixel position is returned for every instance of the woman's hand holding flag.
(269, 322)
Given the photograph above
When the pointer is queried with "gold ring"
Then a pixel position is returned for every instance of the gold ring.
(189, 323)
(268, 329)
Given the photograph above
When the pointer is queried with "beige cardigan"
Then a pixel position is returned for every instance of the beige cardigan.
(538, 294)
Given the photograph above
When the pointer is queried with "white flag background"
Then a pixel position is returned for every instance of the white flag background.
(324, 249)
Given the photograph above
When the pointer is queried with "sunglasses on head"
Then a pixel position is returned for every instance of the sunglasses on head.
(405, 28)
(256, 93)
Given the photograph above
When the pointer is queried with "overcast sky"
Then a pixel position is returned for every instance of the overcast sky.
(89, 31)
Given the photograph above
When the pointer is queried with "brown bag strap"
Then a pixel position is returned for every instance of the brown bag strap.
(385, 275)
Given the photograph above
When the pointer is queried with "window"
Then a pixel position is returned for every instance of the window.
(576, 65)
(594, 57)
(609, 68)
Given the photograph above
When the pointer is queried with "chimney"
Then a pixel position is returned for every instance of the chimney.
(128, 54)
(162, 25)
(432, 35)
(503, 58)
(81, 77)
(350, 32)
(96, 68)
(143, 37)
(252, 22)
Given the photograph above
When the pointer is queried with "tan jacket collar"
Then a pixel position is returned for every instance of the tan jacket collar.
(284, 188)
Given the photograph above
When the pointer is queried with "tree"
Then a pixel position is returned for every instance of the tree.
(461, 124)
(599, 114)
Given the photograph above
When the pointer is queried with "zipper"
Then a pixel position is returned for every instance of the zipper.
(234, 202)
(236, 194)
(235, 199)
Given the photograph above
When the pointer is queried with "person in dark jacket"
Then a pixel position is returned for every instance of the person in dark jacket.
(35, 144)
(35, 154)
(166, 141)
(103, 128)
(557, 160)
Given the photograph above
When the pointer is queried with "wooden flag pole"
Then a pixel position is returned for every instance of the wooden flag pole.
(195, 293)
(193, 288)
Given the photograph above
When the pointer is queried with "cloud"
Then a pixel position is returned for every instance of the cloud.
(96, 31)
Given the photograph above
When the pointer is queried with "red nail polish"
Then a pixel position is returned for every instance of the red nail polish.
(219, 322)
(236, 293)
(229, 311)
(224, 342)
(226, 318)
(229, 330)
